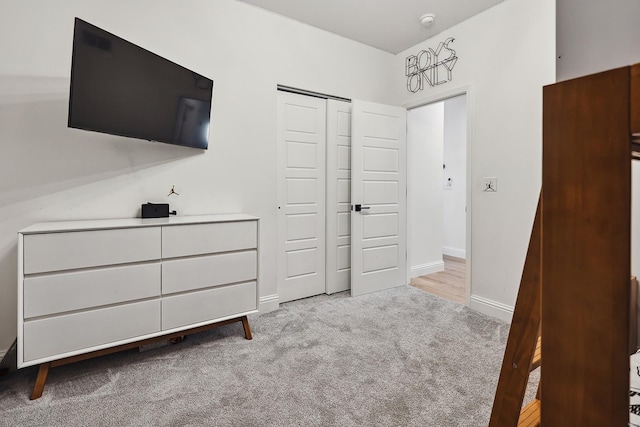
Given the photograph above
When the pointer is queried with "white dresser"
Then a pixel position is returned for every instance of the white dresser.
(85, 286)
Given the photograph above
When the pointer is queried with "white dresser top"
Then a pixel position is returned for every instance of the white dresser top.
(101, 224)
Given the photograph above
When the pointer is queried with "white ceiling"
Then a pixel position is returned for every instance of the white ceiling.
(390, 25)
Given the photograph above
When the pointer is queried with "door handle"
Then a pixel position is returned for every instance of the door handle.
(359, 208)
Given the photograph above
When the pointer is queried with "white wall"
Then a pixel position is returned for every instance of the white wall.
(594, 36)
(425, 139)
(50, 172)
(505, 57)
(454, 235)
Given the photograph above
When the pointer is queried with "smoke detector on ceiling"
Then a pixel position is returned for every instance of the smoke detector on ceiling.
(427, 19)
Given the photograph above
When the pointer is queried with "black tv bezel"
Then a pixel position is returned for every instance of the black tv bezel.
(75, 39)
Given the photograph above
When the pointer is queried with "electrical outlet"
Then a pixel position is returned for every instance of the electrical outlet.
(490, 184)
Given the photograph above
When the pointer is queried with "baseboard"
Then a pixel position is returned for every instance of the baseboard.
(456, 253)
(491, 308)
(424, 269)
(269, 303)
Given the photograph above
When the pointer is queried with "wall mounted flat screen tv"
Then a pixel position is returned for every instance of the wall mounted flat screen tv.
(122, 89)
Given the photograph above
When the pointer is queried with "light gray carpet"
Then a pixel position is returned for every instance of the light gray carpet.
(394, 358)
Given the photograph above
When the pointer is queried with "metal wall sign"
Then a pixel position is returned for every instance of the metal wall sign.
(431, 67)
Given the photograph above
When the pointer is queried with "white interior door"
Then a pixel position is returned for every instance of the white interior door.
(378, 186)
(301, 196)
(338, 273)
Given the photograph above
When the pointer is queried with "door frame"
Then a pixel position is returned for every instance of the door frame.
(432, 99)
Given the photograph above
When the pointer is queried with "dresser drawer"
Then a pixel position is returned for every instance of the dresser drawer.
(81, 249)
(81, 331)
(207, 305)
(196, 239)
(57, 293)
(187, 274)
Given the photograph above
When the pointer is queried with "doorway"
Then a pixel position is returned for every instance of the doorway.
(438, 198)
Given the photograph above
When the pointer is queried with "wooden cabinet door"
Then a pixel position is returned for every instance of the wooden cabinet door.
(635, 105)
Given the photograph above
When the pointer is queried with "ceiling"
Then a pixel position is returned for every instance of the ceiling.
(390, 25)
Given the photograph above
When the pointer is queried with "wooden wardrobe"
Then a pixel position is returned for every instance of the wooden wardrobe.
(575, 291)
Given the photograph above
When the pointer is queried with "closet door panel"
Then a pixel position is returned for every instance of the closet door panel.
(338, 265)
(301, 196)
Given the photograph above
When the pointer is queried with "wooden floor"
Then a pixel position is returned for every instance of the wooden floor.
(449, 284)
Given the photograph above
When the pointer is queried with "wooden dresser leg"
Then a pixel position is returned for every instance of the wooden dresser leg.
(247, 329)
(41, 379)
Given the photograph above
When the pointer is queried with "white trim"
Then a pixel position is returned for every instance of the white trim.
(491, 308)
(454, 252)
(269, 303)
(441, 96)
(470, 144)
(424, 269)
(20, 319)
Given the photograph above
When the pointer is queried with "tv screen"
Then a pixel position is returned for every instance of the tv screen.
(122, 89)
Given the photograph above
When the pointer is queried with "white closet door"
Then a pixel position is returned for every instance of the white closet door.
(378, 186)
(301, 196)
(338, 196)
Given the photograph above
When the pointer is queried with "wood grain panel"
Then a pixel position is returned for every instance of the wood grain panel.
(633, 316)
(522, 341)
(586, 264)
(635, 102)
